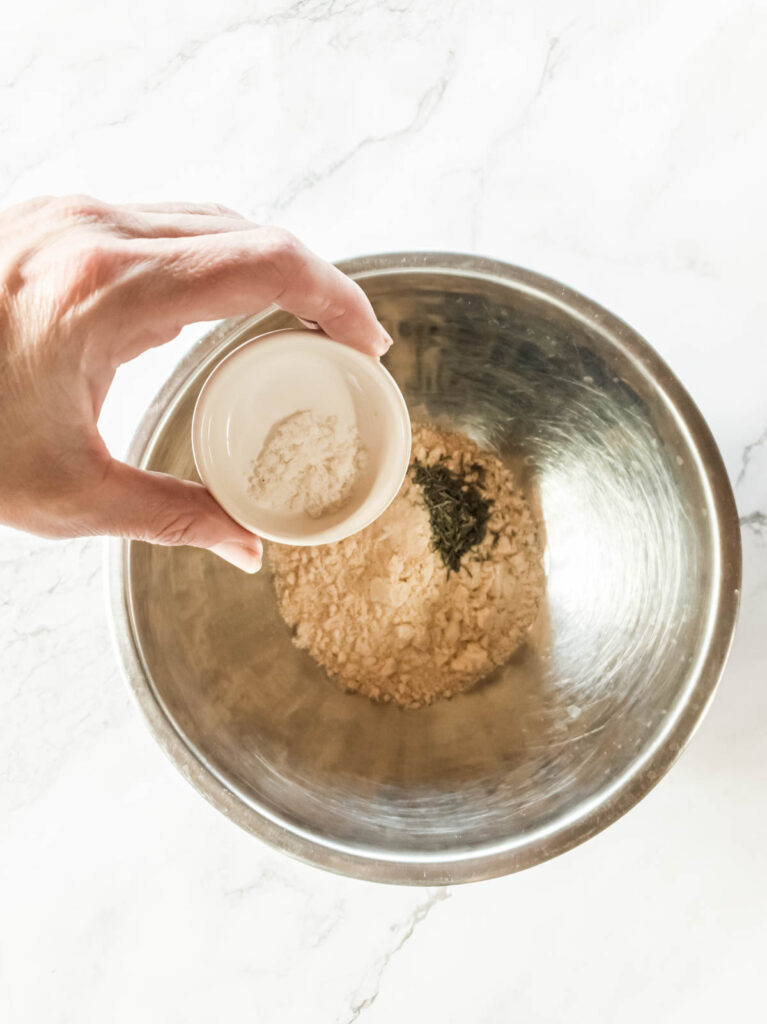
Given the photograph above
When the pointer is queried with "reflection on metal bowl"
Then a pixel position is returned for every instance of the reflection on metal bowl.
(643, 571)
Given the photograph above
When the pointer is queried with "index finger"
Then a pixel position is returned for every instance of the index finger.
(185, 279)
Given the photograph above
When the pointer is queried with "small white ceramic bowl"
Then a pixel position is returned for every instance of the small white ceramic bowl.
(272, 377)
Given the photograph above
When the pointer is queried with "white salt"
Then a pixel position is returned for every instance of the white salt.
(307, 464)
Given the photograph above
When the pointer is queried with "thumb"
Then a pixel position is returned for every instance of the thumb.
(161, 509)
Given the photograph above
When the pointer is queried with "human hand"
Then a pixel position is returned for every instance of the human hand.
(84, 287)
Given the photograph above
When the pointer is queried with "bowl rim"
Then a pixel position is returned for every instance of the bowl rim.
(626, 791)
(302, 337)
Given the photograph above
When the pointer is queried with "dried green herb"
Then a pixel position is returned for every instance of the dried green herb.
(458, 513)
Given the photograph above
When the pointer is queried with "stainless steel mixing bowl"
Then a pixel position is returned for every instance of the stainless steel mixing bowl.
(643, 571)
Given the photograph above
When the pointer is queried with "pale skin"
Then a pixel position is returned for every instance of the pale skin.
(85, 287)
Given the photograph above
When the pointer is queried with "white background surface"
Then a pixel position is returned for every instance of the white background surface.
(618, 147)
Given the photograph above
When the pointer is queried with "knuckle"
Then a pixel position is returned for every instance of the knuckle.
(284, 257)
(91, 265)
(80, 208)
(281, 248)
(177, 530)
(220, 210)
(331, 313)
(330, 305)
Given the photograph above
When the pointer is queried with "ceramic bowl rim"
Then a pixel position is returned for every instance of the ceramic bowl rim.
(265, 343)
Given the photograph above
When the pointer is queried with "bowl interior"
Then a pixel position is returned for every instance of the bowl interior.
(266, 380)
(633, 571)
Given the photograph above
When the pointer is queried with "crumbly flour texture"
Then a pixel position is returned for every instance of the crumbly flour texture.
(308, 463)
(383, 616)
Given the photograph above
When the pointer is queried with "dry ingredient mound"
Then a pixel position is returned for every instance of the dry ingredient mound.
(307, 463)
(385, 616)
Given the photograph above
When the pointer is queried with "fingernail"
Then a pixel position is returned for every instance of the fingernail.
(311, 325)
(239, 555)
(387, 340)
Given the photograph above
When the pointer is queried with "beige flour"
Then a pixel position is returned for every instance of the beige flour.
(379, 610)
(308, 463)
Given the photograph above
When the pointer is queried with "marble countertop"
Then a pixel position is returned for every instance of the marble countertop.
(619, 148)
